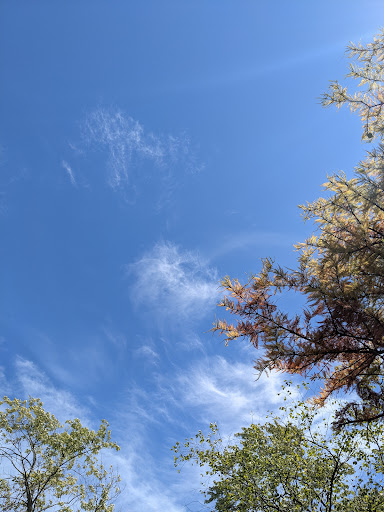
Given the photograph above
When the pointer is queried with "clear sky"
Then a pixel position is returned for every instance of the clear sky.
(149, 148)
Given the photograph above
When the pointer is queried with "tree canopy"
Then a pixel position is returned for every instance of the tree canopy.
(339, 334)
(46, 465)
(293, 465)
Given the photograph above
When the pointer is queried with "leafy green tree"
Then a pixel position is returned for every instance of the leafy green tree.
(49, 466)
(295, 466)
(339, 334)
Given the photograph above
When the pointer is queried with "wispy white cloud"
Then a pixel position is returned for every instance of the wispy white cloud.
(173, 283)
(148, 353)
(229, 393)
(123, 138)
(127, 146)
(69, 171)
(141, 483)
(246, 240)
(117, 338)
(32, 381)
(209, 389)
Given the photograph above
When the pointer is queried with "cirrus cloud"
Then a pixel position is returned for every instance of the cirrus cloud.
(126, 147)
(173, 282)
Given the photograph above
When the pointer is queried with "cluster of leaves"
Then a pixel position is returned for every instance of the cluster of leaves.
(295, 465)
(339, 334)
(49, 466)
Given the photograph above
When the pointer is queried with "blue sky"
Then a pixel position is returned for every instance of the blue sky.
(146, 150)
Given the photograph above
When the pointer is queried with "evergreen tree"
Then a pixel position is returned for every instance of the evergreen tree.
(339, 334)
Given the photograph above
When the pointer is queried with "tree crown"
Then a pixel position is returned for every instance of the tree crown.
(296, 464)
(339, 334)
(49, 465)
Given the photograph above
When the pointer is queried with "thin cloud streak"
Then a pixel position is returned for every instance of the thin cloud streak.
(234, 77)
(70, 173)
(245, 240)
